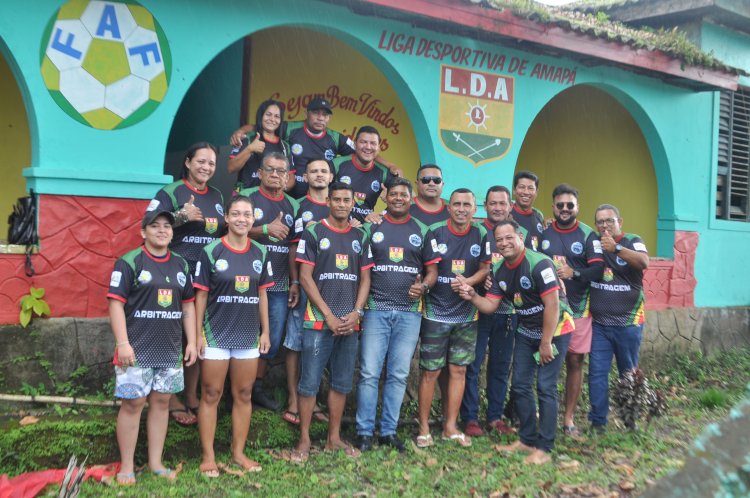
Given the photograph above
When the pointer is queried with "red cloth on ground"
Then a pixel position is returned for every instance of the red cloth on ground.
(30, 484)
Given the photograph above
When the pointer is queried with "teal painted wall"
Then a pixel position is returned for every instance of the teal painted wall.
(729, 46)
(677, 124)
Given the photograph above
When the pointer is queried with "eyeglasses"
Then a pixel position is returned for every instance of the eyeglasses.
(606, 221)
(561, 205)
(434, 179)
(278, 171)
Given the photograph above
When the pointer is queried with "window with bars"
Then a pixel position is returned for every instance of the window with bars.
(732, 188)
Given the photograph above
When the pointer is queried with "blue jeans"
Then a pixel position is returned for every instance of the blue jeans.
(622, 342)
(499, 331)
(294, 321)
(391, 333)
(319, 346)
(278, 307)
(524, 370)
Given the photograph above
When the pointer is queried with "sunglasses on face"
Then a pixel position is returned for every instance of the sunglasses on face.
(434, 179)
(561, 205)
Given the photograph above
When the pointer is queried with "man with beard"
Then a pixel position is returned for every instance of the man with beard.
(577, 254)
(525, 190)
(498, 330)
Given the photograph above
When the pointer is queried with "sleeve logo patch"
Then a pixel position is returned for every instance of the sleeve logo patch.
(548, 275)
(114, 280)
(434, 245)
(299, 224)
(219, 209)
(258, 266)
(301, 247)
(356, 246)
(181, 279)
(640, 247)
(597, 246)
(153, 205)
(197, 268)
(269, 269)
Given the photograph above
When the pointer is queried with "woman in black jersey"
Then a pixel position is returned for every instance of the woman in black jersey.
(265, 137)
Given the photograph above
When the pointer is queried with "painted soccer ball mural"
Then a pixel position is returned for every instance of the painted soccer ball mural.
(106, 64)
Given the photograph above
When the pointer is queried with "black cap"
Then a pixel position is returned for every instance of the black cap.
(319, 103)
(150, 216)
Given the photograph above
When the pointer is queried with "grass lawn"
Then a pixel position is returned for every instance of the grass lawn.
(619, 463)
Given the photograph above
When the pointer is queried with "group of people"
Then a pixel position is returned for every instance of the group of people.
(298, 256)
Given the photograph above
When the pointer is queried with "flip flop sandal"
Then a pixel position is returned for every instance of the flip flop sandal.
(209, 470)
(252, 466)
(167, 473)
(460, 438)
(186, 421)
(349, 451)
(425, 441)
(291, 417)
(299, 456)
(125, 478)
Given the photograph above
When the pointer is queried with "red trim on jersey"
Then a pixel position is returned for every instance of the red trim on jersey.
(304, 261)
(408, 217)
(313, 135)
(115, 296)
(622, 235)
(266, 286)
(553, 289)
(433, 261)
(488, 226)
(518, 210)
(442, 207)
(268, 196)
(157, 258)
(273, 140)
(362, 167)
(315, 202)
(199, 192)
(241, 251)
(521, 258)
(454, 232)
(294, 241)
(325, 222)
(367, 267)
(189, 300)
(596, 260)
(201, 287)
(493, 296)
(564, 230)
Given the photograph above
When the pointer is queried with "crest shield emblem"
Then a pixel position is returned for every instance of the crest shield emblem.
(342, 261)
(164, 298)
(396, 254)
(559, 261)
(475, 114)
(241, 283)
(359, 197)
(517, 301)
(458, 265)
(212, 224)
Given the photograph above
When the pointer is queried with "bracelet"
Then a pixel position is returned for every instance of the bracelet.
(294, 282)
(265, 229)
(122, 343)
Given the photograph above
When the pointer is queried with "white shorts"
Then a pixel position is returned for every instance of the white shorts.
(138, 382)
(226, 354)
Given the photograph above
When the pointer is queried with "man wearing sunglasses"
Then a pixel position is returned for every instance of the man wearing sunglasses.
(274, 228)
(525, 190)
(576, 252)
(428, 206)
(617, 308)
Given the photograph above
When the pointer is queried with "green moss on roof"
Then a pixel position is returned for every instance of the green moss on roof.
(584, 19)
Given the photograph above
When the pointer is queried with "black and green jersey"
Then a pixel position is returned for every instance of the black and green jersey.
(266, 210)
(617, 299)
(307, 146)
(153, 290)
(232, 279)
(429, 217)
(533, 222)
(188, 239)
(460, 253)
(524, 284)
(399, 254)
(579, 248)
(338, 257)
(366, 183)
(505, 307)
(248, 175)
(309, 211)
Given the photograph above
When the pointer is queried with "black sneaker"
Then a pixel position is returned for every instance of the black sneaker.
(364, 443)
(597, 430)
(392, 441)
(263, 400)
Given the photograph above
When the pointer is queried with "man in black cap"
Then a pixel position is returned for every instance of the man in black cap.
(311, 139)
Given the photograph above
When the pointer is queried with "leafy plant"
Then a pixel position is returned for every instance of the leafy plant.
(713, 398)
(32, 304)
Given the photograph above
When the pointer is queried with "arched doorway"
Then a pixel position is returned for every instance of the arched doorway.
(15, 143)
(586, 138)
(291, 64)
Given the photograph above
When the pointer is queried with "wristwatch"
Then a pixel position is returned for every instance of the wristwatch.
(618, 248)
(360, 312)
(576, 274)
(425, 288)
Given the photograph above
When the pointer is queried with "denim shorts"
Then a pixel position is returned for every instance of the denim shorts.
(320, 346)
(452, 342)
(138, 382)
(294, 320)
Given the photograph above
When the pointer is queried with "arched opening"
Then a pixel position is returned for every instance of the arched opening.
(290, 64)
(586, 138)
(15, 143)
